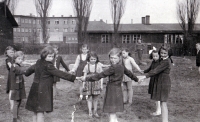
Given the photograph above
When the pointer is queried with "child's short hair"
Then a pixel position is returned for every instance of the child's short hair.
(47, 50)
(8, 48)
(92, 54)
(168, 49)
(115, 51)
(18, 54)
(151, 54)
(127, 50)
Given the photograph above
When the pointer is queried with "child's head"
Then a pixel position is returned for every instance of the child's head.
(198, 46)
(125, 52)
(115, 55)
(9, 52)
(154, 55)
(165, 51)
(55, 47)
(139, 41)
(93, 58)
(47, 53)
(18, 57)
(84, 49)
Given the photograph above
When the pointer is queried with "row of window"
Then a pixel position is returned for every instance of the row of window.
(173, 38)
(26, 39)
(126, 38)
(39, 30)
(33, 21)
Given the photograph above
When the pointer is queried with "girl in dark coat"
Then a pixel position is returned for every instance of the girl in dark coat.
(198, 56)
(155, 56)
(162, 87)
(113, 101)
(40, 97)
(9, 52)
(17, 88)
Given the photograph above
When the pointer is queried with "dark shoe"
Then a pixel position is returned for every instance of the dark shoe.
(14, 119)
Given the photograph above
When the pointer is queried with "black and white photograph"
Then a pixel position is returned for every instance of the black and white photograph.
(99, 60)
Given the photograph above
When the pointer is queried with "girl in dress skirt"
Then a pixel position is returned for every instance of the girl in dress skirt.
(80, 63)
(113, 101)
(17, 88)
(127, 87)
(162, 85)
(40, 97)
(9, 52)
(155, 56)
(93, 89)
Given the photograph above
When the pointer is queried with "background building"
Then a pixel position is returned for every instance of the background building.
(60, 29)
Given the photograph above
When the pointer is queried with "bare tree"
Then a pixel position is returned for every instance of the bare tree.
(187, 11)
(12, 4)
(117, 8)
(82, 9)
(42, 8)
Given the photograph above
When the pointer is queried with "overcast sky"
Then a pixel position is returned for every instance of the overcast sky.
(160, 11)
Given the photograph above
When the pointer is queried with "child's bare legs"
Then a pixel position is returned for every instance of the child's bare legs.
(164, 111)
(95, 103)
(113, 117)
(81, 92)
(89, 102)
(11, 101)
(125, 93)
(130, 92)
(158, 109)
(54, 90)
(38, 117)
(199, 69)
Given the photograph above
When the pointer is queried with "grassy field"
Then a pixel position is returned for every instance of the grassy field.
(183, 104)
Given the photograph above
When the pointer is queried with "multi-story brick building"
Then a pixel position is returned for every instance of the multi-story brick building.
(60, 29)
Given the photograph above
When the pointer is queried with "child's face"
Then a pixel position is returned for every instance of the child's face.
(55, 50)
(93, 60)
(139, 41)
(163, 53)
(84, 50)
(10, 53)
(197, 46)
(155, 56)
(50, 57)
(124, 54)
(114, 59)
(19, 59)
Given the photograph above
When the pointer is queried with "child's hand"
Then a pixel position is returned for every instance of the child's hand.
(71, 72)
(141, 79)
(79, 79)
(141, 71)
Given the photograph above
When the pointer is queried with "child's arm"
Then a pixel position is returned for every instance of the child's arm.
(76, 64)
(18, 70)
(148, 69)
(30, 70)
(130, 74)
(64, 75)
(63, 64)
(134, 64)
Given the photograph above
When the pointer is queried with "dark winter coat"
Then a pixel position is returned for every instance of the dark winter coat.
(113, 101)
(9, 59)
(40, 97)
(162, 86)
(198, 59)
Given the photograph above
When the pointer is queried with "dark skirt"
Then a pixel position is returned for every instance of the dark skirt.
(151, 85)
(18, 94)
(161, 88)
(113, 101)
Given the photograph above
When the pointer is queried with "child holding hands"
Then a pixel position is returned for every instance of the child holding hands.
(40, 97)
(113, 98)
(93, 89)
(162, 85)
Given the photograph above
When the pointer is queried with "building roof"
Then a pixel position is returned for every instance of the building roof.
(100, 26)
(9, 15)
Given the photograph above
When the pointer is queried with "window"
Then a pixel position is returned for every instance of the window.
(26, 29)
(56, 22)
(65, 22)
(69, 38)
(22, 29)
(22, 20)
(26, 20)
(30, 21)
(18, 29)
(72, 29)
(65, 30)
(72, 38)
(33, 21)
(56, 29)
(126, 38)
(104, 38)
(136, 37)
(173, 39)
(73, 22)
(26, 39)
(39, 30)
(14, 29)
(30, 30)
(38, 21)
(48, 22)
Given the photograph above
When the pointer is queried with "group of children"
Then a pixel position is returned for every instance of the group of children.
(89, 71)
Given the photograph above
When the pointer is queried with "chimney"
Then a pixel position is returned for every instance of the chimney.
(143, 20)
(31, 14)
(106, 21)
(147, 19)
(53, 16)
(70, 15)
(61, 15)
(101, 20)
(131, 21)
